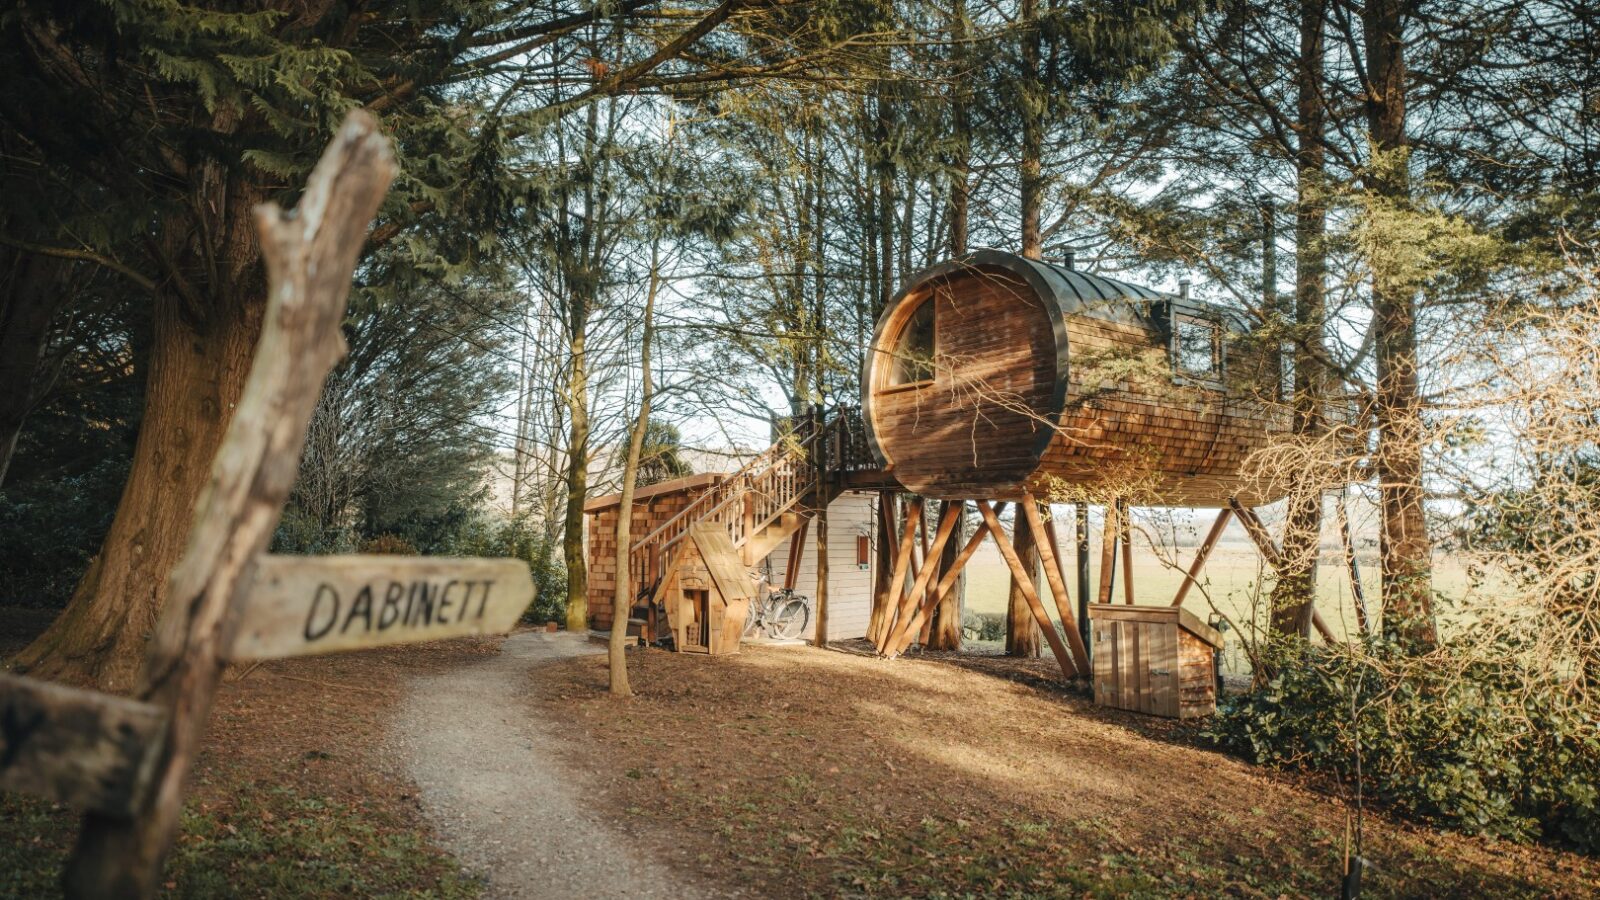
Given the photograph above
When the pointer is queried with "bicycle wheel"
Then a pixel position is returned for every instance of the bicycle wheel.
(754, 620)
(790, 620)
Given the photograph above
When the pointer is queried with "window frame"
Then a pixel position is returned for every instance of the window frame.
(1218, 375)
(893, 359)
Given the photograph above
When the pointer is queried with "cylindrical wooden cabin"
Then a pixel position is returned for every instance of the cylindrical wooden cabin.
(992, 374)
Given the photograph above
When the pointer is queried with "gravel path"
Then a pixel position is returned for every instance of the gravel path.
(493, 784)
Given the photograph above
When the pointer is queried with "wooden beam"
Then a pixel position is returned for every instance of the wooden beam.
(1322, 627)
(948, 579)
(902, 565)
(1192, 577)
(83, 748)
(1058, 582)
(1258, 533)
(1081, 518)
(1020, 577)
(819, 635)
(310, 257)
(1127, 554)
(884, 554)
(913, 598)
(797, 550)
(1108, 553)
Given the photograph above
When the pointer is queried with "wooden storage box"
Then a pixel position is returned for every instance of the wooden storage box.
(1153, 659)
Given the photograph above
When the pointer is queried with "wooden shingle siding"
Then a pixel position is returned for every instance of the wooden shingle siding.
(1031, 391)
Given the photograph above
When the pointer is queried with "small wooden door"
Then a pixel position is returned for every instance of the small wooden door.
(697, 624)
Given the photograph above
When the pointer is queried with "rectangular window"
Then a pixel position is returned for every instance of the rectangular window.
(1286, 372)
(1196, 347)
(863, 551)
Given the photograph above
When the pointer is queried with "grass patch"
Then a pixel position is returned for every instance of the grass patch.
(271, 842)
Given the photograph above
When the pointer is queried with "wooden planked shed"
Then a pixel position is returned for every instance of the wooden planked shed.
(706, 592)
(1154, 659)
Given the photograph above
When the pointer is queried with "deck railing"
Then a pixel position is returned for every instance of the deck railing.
(765, 488)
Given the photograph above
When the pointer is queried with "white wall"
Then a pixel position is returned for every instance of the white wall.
(849, 585)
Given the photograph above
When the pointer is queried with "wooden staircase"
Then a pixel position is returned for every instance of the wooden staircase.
(761, 506)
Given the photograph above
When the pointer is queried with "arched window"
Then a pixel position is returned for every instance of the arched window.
(913, 349)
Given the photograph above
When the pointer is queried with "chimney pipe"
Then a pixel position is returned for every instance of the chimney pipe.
(1183, 288)
(1070, 259)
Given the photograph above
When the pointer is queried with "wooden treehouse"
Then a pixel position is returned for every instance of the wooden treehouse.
(996, 379)
(991, 380)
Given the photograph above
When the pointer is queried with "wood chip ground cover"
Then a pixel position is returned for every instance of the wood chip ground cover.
(797, 771)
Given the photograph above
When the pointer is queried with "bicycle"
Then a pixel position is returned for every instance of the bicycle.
(778, 615)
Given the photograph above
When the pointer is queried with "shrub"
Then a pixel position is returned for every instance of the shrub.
(51, 529)
(1456, 740)
(389, 545)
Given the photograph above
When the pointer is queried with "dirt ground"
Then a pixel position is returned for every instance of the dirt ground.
(294, 793)
(796, 771)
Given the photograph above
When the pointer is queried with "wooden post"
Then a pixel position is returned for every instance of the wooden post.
(1108, 553)
(1058, 582)
(797, 552)
(1020, 578)
(1082, 510)
(820, 633)
(908, 604)
(1021, 637)
(1126, 517)
(948, 579)
(884, 567)
(902, 564)
(1258, 533)
(1192, 577)
(309, 257)
(945, 618)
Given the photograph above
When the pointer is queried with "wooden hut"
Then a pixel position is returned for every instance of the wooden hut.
(652, 505)
(1154, 659)
(993, 376)
(706, 591)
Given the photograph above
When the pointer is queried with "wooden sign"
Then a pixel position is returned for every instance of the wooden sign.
(301, 605)
(86, 749)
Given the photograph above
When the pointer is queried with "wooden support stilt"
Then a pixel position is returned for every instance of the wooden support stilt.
(1127, 554)
(1056, 578)
(902, 565)
(903, 614)
(1082, 519)
(1258, 533)
(947, 580)
(820, 632)
(1357, 592)
(797, 550)
(888, 540)
(1019, 575)
(1108, 553)
(1322, 627)
(1192, 577)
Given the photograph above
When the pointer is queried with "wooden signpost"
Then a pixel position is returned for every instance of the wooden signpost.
(125, 761)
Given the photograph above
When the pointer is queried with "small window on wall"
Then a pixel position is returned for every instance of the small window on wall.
(863, 551)
(1196, 348)
(913, 350)
(1286, 372)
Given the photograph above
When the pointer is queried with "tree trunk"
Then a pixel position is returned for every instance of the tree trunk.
(1404, 549)
(197, 371)
(945, 631)
(1032, 175)
(577, 485)
(1294, 597)
(1022, 632)
(34, 286)
(622, 599)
